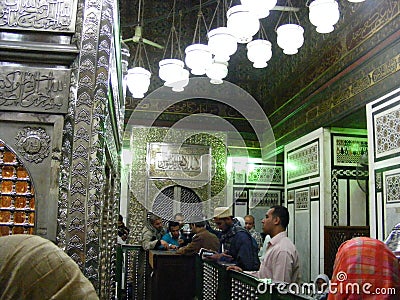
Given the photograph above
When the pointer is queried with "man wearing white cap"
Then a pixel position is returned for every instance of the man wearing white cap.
(236, 242)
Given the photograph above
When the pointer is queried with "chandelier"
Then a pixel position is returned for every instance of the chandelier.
(237, 24)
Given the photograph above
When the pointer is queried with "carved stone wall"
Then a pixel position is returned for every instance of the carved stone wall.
(58, 62)
(142, 196)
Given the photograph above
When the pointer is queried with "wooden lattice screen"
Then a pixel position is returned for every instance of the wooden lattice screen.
(334, 236)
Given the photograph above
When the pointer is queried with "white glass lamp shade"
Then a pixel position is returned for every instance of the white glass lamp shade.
(243, 23)
(259, 52)
(260, 8)
(290, 38)
(170, 69)
(222, 43)
(324, 14)
(198, 57)
(217, 71)
(138, 81)
(180, 81)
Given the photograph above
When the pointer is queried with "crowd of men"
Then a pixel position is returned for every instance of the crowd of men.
(231, 243)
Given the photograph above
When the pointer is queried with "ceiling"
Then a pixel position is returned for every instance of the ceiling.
(272, 88)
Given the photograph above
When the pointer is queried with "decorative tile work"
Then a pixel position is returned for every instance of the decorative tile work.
(392, 186)
(303, 162)
(265, 198)
(335, 175)
(302, 199)
(264, 174)
(387, 132)
(378, 181)
(348, 150)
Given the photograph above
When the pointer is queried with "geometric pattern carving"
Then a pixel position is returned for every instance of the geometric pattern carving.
(265, 174)
(17, 195)
(378, 181)
(392, 187)
(387, 132)
(302, 199)
(265, 198)
(304, 162)
(348, 150)
(33, 143)
(336, 174)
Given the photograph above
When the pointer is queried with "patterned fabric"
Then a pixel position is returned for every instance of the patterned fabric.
(257, 236)
(369, 265)
(34, 268)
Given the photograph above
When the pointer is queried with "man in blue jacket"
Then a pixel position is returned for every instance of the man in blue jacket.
(237, 245)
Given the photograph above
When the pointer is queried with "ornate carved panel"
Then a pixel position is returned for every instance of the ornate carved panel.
(347, 150)
(392, 186)
(45, 15)
(303, 162)
(302, 198)
(34, 89)
(387, 132)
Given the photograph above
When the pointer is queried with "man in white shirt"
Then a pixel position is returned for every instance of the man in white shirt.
(281, 260)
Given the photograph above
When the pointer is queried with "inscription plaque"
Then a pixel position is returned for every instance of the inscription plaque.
(34, 89)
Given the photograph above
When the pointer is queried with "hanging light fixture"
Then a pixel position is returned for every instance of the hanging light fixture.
(259, 51)
(171, 69)
(198, 55)
(324, 14)
(259, 8)
(222, 43)
(217, 71)
(289, 36)
(138, 78)
(138, 81)
(221, 40)
(243, 23)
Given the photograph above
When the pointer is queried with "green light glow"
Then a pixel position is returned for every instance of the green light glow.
(291, 166)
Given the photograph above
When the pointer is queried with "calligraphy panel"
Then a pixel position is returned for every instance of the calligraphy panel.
(174, 161)
(34, 89)
(44, 15)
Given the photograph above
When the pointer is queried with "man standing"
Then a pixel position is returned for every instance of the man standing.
(236, 242)
(281, 260)
(152, 234)
(202, 239)
(250, 226)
